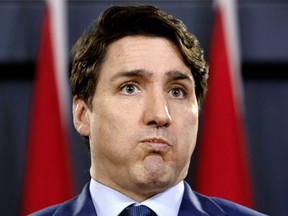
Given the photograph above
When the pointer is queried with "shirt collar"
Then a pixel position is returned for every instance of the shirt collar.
(111, 202)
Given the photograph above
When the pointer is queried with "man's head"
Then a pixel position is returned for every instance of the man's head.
(117, 22)
(138, 79)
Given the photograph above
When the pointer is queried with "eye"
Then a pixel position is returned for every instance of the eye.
(128, 89)
(177, 92)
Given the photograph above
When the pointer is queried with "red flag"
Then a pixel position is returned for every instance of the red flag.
(222, 168)
(47, 176)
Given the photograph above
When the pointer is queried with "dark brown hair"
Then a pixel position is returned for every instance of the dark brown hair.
(120, 21)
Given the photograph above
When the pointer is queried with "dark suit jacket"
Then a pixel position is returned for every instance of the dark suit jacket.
(83, 205)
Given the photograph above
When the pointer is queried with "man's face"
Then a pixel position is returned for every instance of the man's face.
(144, 118)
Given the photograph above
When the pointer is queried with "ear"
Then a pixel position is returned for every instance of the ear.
(81, 116)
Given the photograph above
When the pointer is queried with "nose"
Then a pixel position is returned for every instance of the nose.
(156, 112)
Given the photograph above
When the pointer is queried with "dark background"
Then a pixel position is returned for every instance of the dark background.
(264, 56)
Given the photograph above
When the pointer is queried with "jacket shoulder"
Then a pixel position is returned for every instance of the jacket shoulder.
(200, 204)
(45, 212)
(79, 205)
(52, 210)
(232, 208)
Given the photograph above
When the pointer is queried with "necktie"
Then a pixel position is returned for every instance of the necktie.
(137, 211)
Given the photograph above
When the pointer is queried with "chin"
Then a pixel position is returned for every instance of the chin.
(153, 184)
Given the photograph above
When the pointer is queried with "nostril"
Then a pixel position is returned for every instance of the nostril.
(152, 123)
(158, 124)
(156, 113)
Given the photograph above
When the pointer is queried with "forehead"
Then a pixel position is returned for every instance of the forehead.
(142, 45)
(155, 54)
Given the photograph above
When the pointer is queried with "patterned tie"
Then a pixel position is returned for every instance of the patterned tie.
(137, 211)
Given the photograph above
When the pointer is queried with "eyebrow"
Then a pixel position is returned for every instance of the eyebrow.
(170, 75)
(132, 73)
(177, 75)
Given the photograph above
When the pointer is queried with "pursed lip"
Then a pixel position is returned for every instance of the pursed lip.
(156, 144)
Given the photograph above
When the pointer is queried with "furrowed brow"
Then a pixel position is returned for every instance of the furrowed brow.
(177, 75)
(132, 73)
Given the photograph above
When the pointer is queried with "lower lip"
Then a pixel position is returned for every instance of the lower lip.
(156, 146)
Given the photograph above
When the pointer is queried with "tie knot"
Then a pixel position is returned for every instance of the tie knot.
(137, 211)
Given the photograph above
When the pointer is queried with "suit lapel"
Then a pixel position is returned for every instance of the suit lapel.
(81, 205)
(189, 205)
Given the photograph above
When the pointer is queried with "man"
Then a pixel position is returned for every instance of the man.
(138, 79)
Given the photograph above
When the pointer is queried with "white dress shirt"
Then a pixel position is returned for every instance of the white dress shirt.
(109, 202)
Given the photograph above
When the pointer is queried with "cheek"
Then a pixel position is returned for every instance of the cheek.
(110, 129)
(187, 130)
